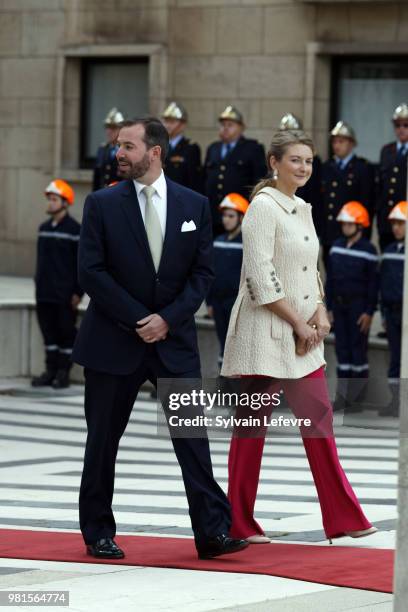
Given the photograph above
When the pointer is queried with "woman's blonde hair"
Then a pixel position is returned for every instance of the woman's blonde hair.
(281, 141)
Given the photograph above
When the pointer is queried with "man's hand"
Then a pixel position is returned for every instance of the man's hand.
(322, 322)
(154, 328)
(364, 322)
(75, 299)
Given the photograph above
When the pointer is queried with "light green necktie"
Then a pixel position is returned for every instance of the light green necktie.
(153, 227)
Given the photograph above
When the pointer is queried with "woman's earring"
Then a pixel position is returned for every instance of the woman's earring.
(275, 175)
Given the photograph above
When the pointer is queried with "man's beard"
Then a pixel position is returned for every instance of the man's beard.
(135, 170)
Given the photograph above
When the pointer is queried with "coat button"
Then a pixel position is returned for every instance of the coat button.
(390, 202)
(391, 191)
(304, 268)
(252, 297)
(331, 205)
(306, 238)
(396, 169)
(349, 183)
(294, 211)
(220, 176)
(330, 217)
(278, 290)
(334, 183)
(306, 297)
(222, 168)
(220, 186)
(332, 195)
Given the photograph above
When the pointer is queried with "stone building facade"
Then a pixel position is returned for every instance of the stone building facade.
(265, 56)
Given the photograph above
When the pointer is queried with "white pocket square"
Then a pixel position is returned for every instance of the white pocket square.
(188, 226)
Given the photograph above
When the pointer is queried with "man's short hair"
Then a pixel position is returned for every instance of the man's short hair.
(155, 133)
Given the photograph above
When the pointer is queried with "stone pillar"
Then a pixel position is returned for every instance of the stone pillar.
(401, 560)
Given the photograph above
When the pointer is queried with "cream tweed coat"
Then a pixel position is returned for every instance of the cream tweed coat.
(280, 253)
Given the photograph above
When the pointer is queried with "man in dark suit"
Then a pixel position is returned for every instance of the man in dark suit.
(392, 175)
(183, 162)
(233, 164)
(145, 262)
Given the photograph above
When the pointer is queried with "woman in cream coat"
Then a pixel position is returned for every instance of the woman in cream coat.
(276, 330)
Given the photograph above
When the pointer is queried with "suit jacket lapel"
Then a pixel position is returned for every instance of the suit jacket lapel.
(131, 208)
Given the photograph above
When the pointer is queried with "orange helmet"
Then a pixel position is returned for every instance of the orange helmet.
(399, 212)
(354, 212)
(62, 189)
(235, 201)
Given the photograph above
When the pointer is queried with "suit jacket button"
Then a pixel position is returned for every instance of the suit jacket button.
(222, 168)
(294, 211)
(278, 290)
(306, 297)
(304, 268)
(306, 238)
(396, 169)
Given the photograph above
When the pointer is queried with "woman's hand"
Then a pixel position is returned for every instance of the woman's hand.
(322, 322)
(307, 337)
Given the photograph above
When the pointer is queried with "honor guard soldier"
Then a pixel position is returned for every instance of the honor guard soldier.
(392, 174)
(106, 165)
(352, 296)
(312, 191)
(227, 265)
(345, 177)
(183, 162)
(234, 164)
(56, 286)
(391, 297)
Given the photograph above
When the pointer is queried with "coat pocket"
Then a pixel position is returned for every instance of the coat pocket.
(276, 327)
(233, 324)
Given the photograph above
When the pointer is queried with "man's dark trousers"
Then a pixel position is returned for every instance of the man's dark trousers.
(109, 401)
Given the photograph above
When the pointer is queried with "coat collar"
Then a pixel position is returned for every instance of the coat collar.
(283, 200)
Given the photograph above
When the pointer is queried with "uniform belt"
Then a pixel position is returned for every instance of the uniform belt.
(345, 300)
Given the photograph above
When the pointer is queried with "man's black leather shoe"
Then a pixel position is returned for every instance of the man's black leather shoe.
(220, 545)
(105, 548)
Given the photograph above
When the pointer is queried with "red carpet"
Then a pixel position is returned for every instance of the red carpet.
(359, 568)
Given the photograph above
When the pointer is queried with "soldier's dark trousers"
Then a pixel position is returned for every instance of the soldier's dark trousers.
(57, 325)
(222, 313)
(351, 349)
(393, 319)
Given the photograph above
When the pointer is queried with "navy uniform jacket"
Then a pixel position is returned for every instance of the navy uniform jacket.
(106, 167)
(227, 266)
(117, 272)
(312, 193)
(237, 172)
(391, 185)
(392, 274)
(183, 165)
(353, 274)
(56, 277)
(354, 182)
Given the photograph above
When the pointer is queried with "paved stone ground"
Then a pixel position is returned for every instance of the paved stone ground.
(42, 435)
